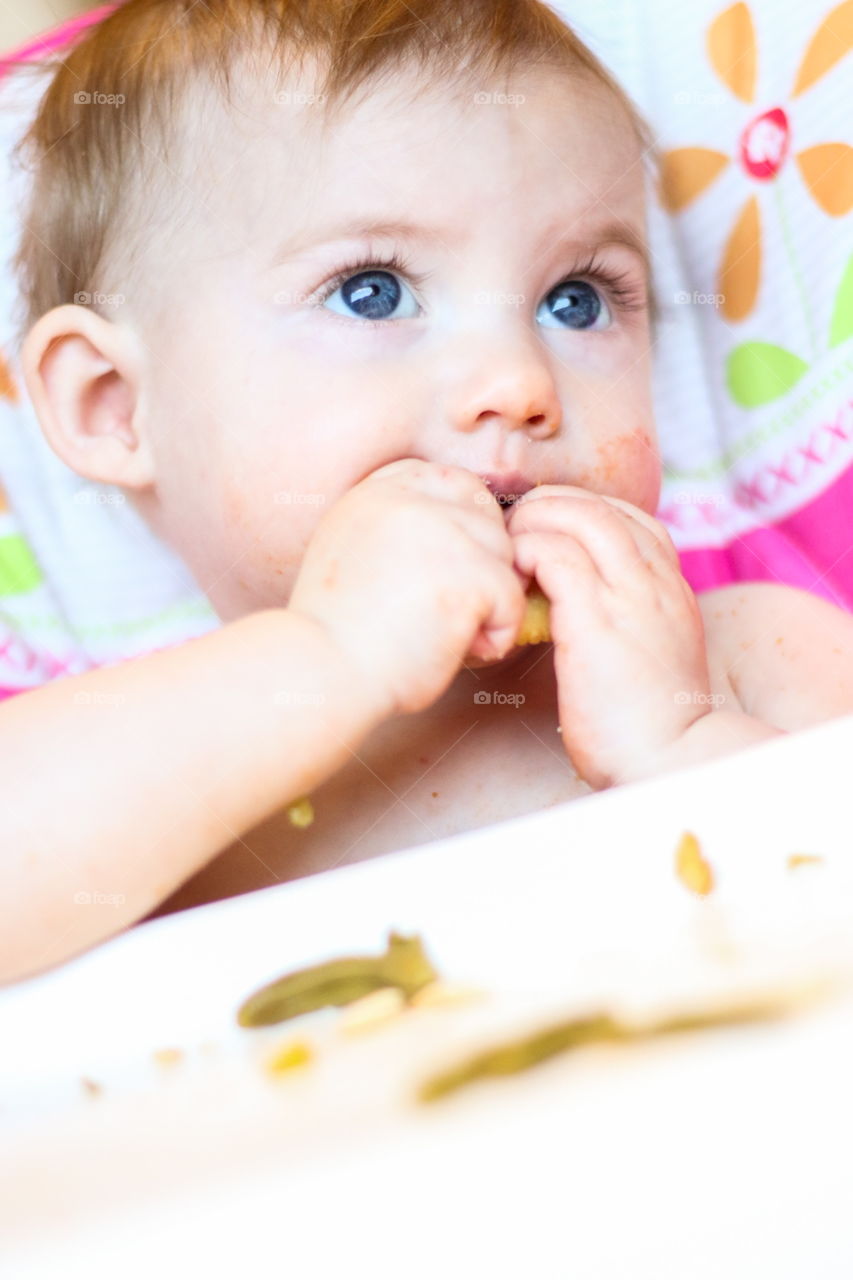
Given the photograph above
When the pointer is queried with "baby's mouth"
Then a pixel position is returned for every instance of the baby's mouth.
(508, 488)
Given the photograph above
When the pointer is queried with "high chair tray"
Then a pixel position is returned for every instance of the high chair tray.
(141, 1132)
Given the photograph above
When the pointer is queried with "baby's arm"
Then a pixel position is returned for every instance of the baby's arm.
(789, 654)
(122, 783)
(126, 781)
(783, 659)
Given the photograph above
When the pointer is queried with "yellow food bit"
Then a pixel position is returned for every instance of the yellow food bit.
(536, 623)
(289, 1056)
(167, 1057)
(372, 1011)
(804, 860)
(445, 995)
(301, 812)
(692, 869)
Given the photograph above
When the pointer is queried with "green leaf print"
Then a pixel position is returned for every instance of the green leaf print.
(841, 325)
(18, 569)
(758, 372)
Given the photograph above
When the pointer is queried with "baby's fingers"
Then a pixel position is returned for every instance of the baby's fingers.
(660, 539)
(567, 575)
(497, 632)
(636, 515)
(621, 549)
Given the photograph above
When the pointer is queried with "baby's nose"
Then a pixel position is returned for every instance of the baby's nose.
(515, 392)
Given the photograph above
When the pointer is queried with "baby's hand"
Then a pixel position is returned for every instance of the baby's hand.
(410, 572)
(629, 645)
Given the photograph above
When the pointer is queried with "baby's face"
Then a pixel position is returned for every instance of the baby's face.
(281, 372)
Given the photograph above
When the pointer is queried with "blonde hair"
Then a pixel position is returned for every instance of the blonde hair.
(97, 188)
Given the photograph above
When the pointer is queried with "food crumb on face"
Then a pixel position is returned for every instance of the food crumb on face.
(691, 867)
(435, 795)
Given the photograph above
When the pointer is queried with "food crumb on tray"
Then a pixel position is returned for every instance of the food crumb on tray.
(288, 1057)
(692, 868)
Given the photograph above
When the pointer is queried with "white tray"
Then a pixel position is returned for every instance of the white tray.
(720, 1153)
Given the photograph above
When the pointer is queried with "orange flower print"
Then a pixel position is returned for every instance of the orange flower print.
(764, 146)
(8, 390)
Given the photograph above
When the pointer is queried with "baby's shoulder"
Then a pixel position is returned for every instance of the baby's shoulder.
(787, 654)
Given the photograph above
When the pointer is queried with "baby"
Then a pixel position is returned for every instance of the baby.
(388, 260)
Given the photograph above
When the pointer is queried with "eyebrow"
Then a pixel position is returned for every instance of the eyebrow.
(620, 233)
(360, 229)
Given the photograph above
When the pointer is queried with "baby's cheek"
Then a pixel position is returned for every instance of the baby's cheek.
(626, 466)
(266, 531)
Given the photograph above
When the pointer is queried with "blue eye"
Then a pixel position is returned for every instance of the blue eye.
(370, 295)
(574, 304)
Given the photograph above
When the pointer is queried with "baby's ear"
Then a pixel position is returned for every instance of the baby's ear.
(83, 376)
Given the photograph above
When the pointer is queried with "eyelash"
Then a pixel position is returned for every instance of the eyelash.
(618, 286)
(372, 262)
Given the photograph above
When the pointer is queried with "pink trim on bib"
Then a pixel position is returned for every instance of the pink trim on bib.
(54, 39)
(777, 553)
